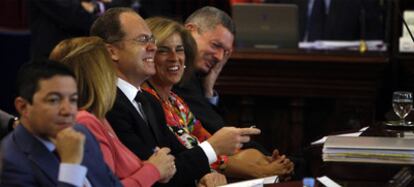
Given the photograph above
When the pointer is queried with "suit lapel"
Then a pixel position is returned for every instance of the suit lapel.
(90, 163)
(140, 125)
(38, 153)
(151, 117)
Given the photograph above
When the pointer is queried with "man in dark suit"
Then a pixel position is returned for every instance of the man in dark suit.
(47, 148)
(136, 116)
(341, 20)
(213, 31)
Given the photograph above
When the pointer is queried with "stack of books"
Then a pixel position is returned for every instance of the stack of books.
(387, 150)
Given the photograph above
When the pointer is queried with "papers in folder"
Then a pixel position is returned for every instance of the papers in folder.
(369, 150)
(372, 45)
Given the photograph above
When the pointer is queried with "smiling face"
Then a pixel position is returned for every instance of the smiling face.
(214, 45)
(134, 54)
(169, 61)
(53, 107)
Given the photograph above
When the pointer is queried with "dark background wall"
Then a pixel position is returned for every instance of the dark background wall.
(14, 47)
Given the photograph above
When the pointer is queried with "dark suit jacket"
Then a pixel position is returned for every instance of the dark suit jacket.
(344, 19)
(142, 138)
(27, 162)
(192, 91)
(54, 20)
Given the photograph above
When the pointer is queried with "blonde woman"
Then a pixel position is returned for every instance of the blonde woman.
(96, 80)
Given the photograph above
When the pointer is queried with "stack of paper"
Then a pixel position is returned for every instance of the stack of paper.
(353, 134)
(369, 150)
(372, 45)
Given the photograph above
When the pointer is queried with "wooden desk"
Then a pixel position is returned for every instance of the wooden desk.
(286, 92)
(303, 73)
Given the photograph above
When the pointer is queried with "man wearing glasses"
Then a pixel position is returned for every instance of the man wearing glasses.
(213, 31)
(137, 117)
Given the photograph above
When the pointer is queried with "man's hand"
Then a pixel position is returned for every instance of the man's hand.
(211, 180)
(70, 145)
(211, 78)
(228, 140)
(164, 162)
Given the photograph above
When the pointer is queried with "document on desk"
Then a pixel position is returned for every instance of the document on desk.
(328, 182)
(389, 150)
(372, 45)
(255, 182)
(353, 134)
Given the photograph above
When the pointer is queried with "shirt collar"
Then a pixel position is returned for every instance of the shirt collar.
(47, 143)
(128, 89)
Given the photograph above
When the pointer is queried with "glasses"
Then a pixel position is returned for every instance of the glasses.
(218, 46)
(143, 39)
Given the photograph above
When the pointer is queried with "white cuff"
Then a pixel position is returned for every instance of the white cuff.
(214, 99)
(209, 151)
(74, 174)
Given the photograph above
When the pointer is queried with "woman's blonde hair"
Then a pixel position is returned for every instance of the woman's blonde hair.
(95, 74)
(163, 28)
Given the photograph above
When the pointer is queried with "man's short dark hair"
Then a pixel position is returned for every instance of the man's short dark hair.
(30, 74)
(108, 26)
(208, 17)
